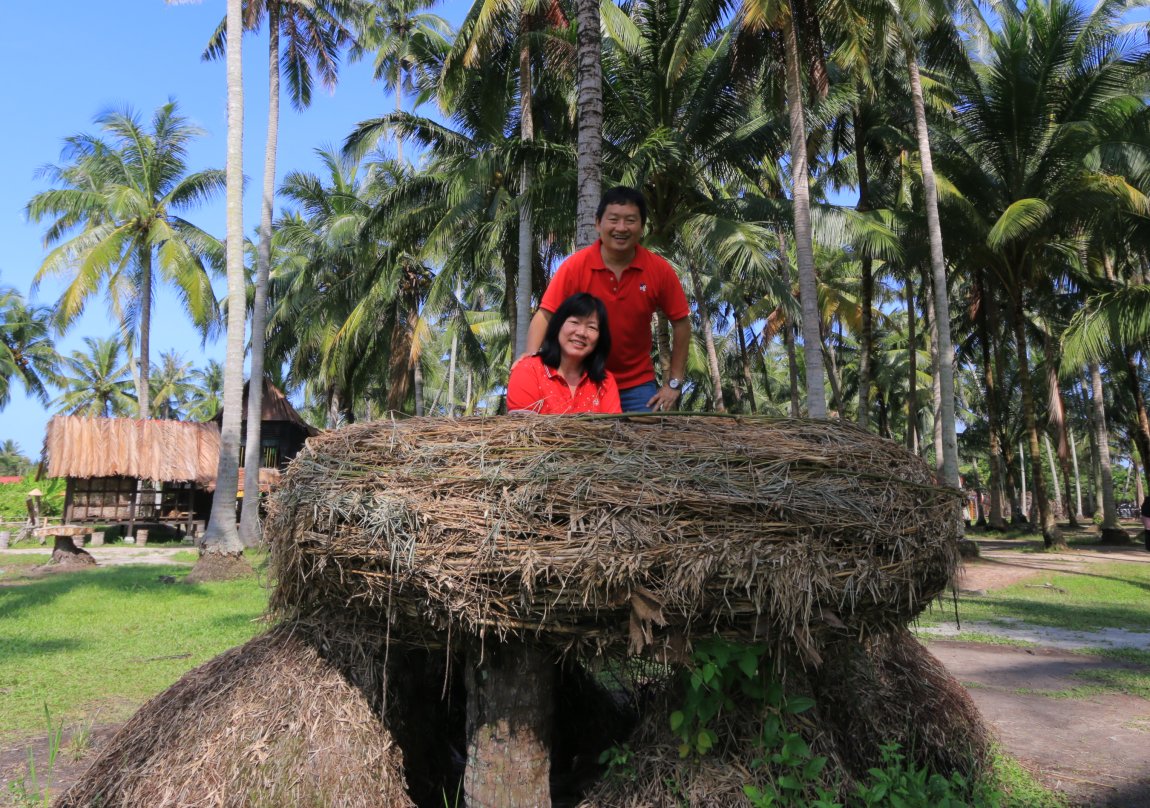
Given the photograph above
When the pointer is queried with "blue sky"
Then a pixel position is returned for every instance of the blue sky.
(66, 62)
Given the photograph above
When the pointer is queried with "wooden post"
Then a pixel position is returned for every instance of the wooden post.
(510, 707)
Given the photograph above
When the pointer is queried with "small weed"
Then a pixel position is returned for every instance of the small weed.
(32, 788)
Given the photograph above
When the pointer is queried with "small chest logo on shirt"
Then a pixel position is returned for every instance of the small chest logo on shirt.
(642, 287)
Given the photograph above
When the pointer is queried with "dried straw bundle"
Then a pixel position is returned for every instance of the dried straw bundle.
(599, 533)
(270, 723)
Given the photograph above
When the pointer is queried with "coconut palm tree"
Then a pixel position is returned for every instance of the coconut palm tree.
(171, 385)
(96, 382)
(220, 545)
(1060, 89)
(408, 42)
(206, 394)
(27, 354)
(115, 221)
(313, 33)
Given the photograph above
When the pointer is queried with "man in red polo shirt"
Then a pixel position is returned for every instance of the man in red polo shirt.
(633, 283)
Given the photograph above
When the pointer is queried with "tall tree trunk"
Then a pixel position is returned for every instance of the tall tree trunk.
(144, 389)
(935, 385)
(804, 247)
(589, 101)
(250, 533)
(1057, 502)
(526, 246)
(745, 362)
(1058, 421)
(221, 537)
(996, 520)
(708, 341)
(1051, 536)
(1141, 425)
(1025, 508)
(938, 270)
(510, 696)
(1078, 515)
(1110, 527)
(866, 291)
(833, 376)
(451, 377)
(911, 369)
(789, 329)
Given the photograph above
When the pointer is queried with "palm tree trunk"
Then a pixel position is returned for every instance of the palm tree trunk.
(911, 369)
(526, 134)
(1058, 421)
(589, 102)
(745, 363)
(510, 690)
(938, 269)
(144, 389)
(804, 248)
(250, 532)
(221, 537)
(789, 329)
(1141, 428)
(994, 458)
(1051, 535)
(1057, 502)
(1110, 528)
(866, 291)
(935, 386)
(708, 342)
(1078, 515)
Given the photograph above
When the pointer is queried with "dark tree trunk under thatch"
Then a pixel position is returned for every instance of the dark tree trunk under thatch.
(510, 693)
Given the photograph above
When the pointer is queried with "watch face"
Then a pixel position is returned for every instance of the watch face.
(674, 384)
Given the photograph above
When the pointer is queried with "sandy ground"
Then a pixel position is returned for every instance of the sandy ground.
(1095, 749)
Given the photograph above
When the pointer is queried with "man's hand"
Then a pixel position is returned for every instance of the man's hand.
(664, 400)
(519, 359)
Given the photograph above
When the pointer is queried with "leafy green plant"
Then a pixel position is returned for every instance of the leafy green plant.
(899, 783)
(721, 671)
(619, 762)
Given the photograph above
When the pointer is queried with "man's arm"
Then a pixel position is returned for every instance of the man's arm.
(667, 398)
(535, 333)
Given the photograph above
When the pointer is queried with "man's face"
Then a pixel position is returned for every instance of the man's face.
(620, 227)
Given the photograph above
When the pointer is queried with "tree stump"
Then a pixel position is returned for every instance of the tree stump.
(510, 706)
(66, 553)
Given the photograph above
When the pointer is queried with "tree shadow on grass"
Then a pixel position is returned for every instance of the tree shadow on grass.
(42, 592)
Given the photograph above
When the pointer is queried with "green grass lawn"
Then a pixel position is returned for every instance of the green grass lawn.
(92, 645)
(1104, 596)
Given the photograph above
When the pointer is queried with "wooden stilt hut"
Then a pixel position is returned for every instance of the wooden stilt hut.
(132, 471)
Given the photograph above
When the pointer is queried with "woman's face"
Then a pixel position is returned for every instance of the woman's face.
(578, 336)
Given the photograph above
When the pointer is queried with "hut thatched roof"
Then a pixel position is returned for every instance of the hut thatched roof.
(169, 451)
(601, 532)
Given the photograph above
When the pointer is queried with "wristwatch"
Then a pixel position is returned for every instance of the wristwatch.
(674, 384)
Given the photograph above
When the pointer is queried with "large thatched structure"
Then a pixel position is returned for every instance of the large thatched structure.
(429, 560)
(604, 533)
(132, 470)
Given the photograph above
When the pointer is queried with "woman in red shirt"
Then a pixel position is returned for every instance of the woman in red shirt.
(569, 373)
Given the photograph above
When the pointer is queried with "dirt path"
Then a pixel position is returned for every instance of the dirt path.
(1095, 749)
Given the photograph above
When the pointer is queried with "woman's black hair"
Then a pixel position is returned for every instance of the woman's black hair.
(578, 305)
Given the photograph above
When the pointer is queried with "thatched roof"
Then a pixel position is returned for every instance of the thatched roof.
(169, 451)
(612, 532)
(274, 406)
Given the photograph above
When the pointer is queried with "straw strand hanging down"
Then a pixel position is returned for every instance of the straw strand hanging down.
(550, 527)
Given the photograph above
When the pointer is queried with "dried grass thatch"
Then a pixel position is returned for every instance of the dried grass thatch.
(270, 723)
(605, 533)
(168, 451)
(888, 690)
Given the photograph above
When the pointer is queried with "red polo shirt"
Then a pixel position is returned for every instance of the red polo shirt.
(648, 285)
(534, 386)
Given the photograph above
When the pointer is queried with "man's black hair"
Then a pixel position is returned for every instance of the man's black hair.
(623, 195)
(578, 305)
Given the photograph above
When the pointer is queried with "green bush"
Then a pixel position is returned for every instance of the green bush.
(12, 496)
